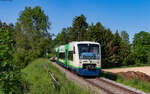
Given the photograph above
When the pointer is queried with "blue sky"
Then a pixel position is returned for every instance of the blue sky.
(130, 15)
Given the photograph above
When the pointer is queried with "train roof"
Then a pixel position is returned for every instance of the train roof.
(71, 44)
(83, 42)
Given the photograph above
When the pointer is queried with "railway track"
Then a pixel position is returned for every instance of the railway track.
(110, 87)
(100, 85)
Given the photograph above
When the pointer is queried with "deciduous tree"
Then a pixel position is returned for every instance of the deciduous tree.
(32, 36)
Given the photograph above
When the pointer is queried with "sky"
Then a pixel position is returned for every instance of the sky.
(132, 16)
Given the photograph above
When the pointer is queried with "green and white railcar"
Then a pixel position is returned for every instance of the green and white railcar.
(84, 57)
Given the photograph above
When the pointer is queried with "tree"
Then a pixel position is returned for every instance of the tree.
(115, 49)
(10, 76)
(79, 27)
(62, 38)
(32, 38)
(125, 37)
(125, 52)
(141, 47)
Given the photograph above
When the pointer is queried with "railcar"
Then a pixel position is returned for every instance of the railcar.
(83, 57)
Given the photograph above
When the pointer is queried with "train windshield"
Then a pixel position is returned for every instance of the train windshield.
(88, 51)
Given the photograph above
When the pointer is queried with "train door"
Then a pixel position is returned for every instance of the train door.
(66, 58)
(66, 55)
(57, 54)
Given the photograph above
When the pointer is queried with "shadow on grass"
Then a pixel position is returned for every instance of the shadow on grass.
(108, 75)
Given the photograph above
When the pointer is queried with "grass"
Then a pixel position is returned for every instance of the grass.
(141, 85)
(41, 83)
(1, 90)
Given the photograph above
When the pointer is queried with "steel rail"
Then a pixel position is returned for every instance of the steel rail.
(117, 86)
(100, 87)
(104, 89)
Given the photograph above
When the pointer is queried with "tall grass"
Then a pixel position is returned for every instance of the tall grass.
(141, 85)
(40, 81)
(1, 90)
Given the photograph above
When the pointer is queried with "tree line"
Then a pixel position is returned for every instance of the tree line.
(28, 39)
(20, 43)
(116, 49)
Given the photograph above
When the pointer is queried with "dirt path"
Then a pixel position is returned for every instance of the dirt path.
(145, 70)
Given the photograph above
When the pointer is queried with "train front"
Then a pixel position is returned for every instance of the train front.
(89, 59)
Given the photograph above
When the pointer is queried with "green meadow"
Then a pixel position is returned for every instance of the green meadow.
(40, 82)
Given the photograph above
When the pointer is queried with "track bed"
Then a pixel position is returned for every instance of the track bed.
(98, 85)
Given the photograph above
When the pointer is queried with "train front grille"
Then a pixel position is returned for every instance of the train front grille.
(89, 66)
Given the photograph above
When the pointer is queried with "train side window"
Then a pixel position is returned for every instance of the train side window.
(70, 56)
(73, 50)
(61, 55)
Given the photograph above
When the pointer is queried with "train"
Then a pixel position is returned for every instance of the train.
(83, 57)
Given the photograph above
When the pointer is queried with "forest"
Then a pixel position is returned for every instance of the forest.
(29, 38)
(116, 48)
